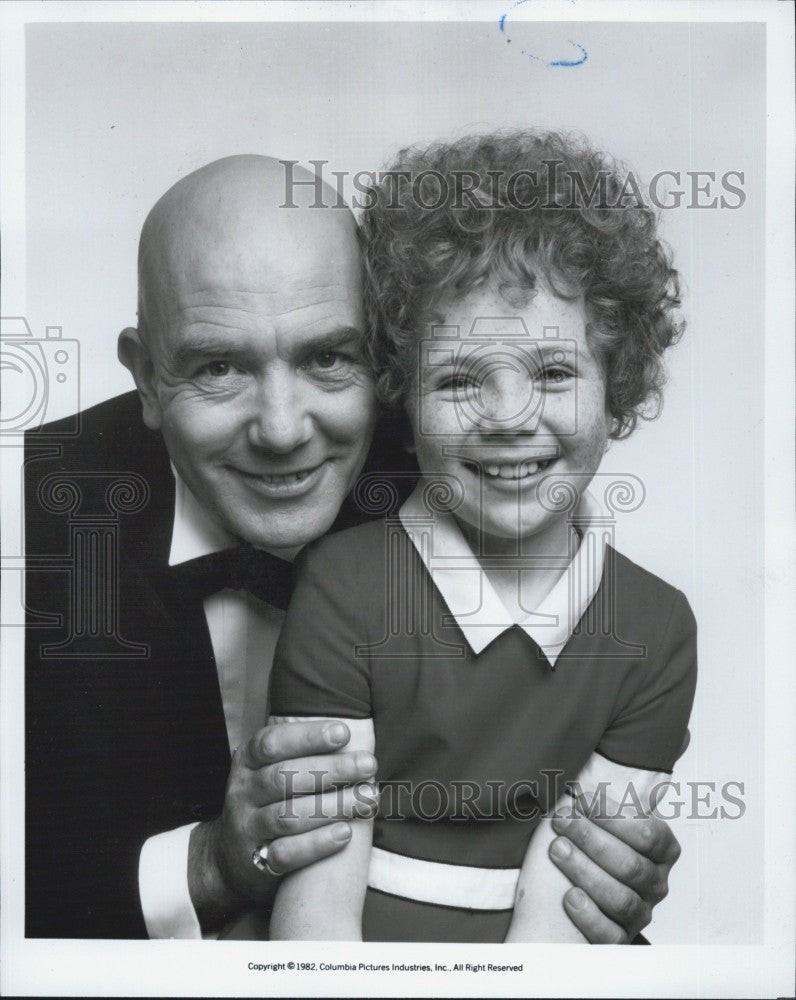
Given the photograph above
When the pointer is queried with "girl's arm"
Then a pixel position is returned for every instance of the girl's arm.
(539, 913)
(605, 787)
(650, 730)
(323, 902)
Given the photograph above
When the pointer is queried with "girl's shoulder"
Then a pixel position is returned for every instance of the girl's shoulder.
(358, 552)
(640, 596)
(362, 538)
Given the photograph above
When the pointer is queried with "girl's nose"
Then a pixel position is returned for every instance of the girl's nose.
(509, 400)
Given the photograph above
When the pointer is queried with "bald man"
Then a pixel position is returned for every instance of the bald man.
(156, 803)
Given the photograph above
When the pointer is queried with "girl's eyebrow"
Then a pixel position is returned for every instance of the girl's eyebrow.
(551, 345)
(449, 358)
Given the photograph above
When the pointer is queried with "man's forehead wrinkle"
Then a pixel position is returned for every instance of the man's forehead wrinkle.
(335, 302)
(321, 288)
(201, 336)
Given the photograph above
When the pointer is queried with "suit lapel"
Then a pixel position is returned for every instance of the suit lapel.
(184, 703)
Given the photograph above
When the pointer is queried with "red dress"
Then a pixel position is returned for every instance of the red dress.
(473, 749)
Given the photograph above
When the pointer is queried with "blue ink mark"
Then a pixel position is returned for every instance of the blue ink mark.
(570, 62)
(554, 63)
(502, 21)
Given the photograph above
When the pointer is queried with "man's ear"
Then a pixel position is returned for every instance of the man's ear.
(134, 354)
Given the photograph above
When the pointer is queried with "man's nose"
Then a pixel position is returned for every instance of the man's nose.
(509, 400)
(280, 420)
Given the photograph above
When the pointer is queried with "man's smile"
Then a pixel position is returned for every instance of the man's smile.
(283, 484)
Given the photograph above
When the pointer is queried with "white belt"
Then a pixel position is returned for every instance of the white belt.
(447, 885)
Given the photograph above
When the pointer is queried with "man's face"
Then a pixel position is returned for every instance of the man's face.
(265, 403)
(500, 406)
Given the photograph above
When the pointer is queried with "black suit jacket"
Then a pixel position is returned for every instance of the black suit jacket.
(125, 733)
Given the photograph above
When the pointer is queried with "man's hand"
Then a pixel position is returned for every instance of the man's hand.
(619, 868)
(278, 763)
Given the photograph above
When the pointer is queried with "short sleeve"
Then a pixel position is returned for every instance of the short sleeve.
(651, 729)
(316, 670)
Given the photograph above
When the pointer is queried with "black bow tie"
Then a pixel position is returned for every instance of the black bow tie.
(241, 568)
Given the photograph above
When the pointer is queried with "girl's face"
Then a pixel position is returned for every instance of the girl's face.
(509, 400)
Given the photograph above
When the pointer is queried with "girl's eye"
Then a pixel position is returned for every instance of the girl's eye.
(457, 383)
(556, 375)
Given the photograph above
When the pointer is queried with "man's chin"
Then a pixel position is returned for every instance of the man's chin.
(285, 539)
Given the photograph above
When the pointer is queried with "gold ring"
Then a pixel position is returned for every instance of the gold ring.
(260, 861)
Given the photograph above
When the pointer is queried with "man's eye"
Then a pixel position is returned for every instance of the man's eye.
(216, 369)
(331, 362)
(326, 359)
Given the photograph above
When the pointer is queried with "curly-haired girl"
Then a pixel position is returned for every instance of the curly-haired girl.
(487, 642)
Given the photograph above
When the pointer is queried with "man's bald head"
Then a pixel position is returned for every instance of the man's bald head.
(228, 222)
(248, 353)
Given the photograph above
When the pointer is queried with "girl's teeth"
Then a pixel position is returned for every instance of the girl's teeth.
(513, 471)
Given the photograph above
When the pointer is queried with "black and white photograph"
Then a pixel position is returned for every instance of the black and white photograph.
(397, 498)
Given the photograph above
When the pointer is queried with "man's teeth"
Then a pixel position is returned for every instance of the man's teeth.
(521, 471)
(292, 477)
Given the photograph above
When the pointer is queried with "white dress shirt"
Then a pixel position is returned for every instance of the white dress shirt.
(243, 631)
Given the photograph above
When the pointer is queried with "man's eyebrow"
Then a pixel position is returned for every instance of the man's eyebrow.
(201, 345)
(328, 338)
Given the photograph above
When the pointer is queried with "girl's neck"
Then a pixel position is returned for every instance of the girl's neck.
(524, 570)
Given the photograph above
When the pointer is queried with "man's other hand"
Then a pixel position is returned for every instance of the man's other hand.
(284, 791)
(619, 869)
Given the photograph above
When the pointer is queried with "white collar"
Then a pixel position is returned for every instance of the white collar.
(194, 532)
(472, 599)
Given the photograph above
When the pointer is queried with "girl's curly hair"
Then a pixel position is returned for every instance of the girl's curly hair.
(511, 207)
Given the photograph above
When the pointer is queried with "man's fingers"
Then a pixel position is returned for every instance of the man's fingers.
(590, 921)
(649, 836)
(605, 854)
(309, 812)
(312, 775)
(290, 853)
(615, 900)
(288, 740)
